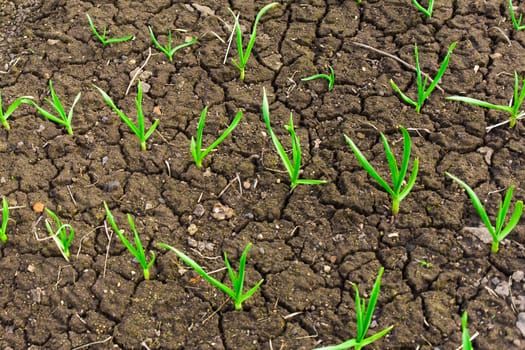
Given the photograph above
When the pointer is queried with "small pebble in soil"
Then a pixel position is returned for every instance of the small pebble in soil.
(38, 207)
(192, 229)
(222, 212)
(521, 323)
(518, 276)
(199, 210)
(192, 243)
(112, 186)
(327, 269)
(503, 289)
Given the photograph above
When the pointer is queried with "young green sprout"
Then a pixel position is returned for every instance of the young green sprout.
(364, 316)
(330, 78)
(196, 143)
(63, 235)
(244, 55)
(465, 337)
(499, 232)
(138, 250)
(5, 218)
(237, 279)
(139, 129)
(292, 166)
(422, 92)
(63, 118)
(427, 11)
(167, 50)
(103, 38)
(12, 107)
(514, 107)
(398, 175)
(516, 23)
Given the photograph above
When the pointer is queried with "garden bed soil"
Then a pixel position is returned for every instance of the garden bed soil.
(310, 244)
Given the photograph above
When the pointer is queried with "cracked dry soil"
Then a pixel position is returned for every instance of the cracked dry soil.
(311, 244)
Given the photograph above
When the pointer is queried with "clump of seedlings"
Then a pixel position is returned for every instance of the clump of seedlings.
(12, 107)
(168, 50)
(196, 143)
(398, 174)
(422, 91)
(103, 37)
(428, 10)
(63, 234)
(293, 166)
(499, 232)
(330, 77)
(364, 316)
(516, 23)
(139, 129)
(514, 107)
(5, 218)
(244, 55)
(236, 278)
(63, 118)
(138, 250)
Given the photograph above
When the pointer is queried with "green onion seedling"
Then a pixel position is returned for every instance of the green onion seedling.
(12, 107)
(63, 235)
(427, 11)
(5, 218)
(63, 118)
(364, 316)
(330, 78)
(516, 23)
(237, 279)
(422, 92)
(499, 232)
(244, 55)
(167, 50)
(398, 175)
(138, 250)
(139, 129)
(425, 263)
(196, 143)
(292, 166)
(514, 107)
(465, 337)
(103, 38)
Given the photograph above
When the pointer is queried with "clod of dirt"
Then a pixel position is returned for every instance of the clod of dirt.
(222, 212)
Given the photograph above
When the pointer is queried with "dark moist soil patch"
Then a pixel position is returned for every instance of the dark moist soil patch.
(311, 244)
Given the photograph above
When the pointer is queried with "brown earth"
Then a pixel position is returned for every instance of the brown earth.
(310, 244)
